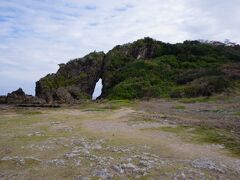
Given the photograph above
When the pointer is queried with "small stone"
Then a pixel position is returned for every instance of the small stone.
(82, 178)
(55, 122)
(129, 159)
(97, 147)
(145, 173)
(129, 166)
(71, 155)
(118, 169)
(143, 163)
(77, 162)
(206, 164)
(35, 134)
(18, 160)
(102, 173)
(57, 162)
(85, 152)
(183, 175)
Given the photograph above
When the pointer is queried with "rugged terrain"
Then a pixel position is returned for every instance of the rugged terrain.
(191, 138)
(167, 111)
(146, 68)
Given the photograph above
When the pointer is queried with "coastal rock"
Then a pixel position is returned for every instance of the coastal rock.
(102, 173)
(73, 82)
(20, 97)
(146, 68)
(17, 96)
(207, 164)
(3, 99)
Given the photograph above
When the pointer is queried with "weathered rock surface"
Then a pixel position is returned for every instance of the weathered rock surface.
(76, 80)
(207, 164)
(145, 68)
(73, 81)
(19, 97)
(3, 99)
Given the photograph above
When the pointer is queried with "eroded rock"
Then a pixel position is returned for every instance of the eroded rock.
(57, 162)
(102, 173)
(18, 160)
(73, 82)
(20, 97)
(207, 164)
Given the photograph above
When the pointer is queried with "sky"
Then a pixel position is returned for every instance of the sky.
(97, 90)
(37, 35)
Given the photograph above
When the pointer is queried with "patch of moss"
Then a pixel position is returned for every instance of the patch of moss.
(28, 112)
(195, 100)
(95, 109)
(189, 69)
(180, 107)
(237, 113)
(116, 104)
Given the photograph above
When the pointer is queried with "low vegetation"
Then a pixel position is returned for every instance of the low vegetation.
(147, 68)
(189, 69)
(104, 140)
(180, 107)
(206, 135)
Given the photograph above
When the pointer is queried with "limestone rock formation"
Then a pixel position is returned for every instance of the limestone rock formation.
(19, 97)
(3, 99)
(146, 68)
(121, 55)
(16, 97)
(73, 82)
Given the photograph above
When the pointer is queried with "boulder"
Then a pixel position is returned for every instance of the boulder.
(19, 97)
(62, 95)
(16, 97)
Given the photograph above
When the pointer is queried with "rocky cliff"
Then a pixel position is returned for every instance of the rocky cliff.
(146, 68)
(73, 81)
(19, 97)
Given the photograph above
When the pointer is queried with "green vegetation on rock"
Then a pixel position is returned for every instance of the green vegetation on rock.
(147, 68)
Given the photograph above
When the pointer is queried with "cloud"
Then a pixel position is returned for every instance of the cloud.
(36, 35)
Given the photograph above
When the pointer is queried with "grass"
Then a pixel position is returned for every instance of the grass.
(211, 99)
(28, 112)
(106, 105)
(237, 113)
(195, 100)
(116, 104)
(206, 135)
(180, 107)
(95, 109)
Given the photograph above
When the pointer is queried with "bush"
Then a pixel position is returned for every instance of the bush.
(205, 86)
(188, 69)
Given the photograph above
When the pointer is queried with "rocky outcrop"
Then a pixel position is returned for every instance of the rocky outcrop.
(145, 68)
(73, 82)
(3, 99)
(119, 56)
(19, 97)
(16, 97)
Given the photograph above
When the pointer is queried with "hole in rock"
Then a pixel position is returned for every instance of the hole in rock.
(97, 90)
